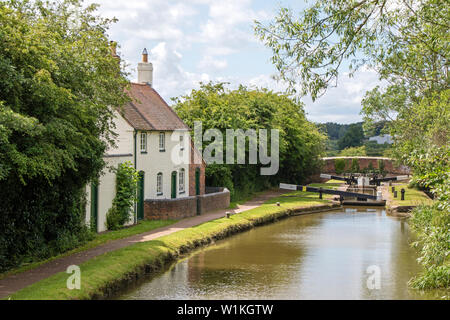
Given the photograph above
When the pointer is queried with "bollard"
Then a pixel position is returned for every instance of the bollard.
(403, 194)
(228, 214)
(395, 194)
(320, 193)
(393, 189)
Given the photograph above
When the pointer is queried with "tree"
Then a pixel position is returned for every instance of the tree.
(58, 85)
(218, 107)
(406, 42)
(352, 138)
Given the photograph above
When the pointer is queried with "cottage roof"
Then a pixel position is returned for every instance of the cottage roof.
(148, 111)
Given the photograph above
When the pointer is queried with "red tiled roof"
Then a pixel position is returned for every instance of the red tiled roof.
(148, 111)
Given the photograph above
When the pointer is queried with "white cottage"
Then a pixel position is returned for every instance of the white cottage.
(157, 142)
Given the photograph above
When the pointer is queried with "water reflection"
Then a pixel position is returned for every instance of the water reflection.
(319, 256)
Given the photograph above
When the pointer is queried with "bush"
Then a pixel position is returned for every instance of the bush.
(381, 167)
(355, 166)
(126, 194)
(431, 225)
(339, 166)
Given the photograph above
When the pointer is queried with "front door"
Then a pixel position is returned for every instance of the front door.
(140, 204)
(174, 185)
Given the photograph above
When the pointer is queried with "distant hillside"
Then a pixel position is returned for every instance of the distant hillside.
(349, 139)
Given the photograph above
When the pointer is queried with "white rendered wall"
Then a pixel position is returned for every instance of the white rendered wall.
(166, 162)
(125, 139)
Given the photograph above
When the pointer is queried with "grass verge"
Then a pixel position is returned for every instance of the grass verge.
(413, 197)
(108, 274)
(99, 239)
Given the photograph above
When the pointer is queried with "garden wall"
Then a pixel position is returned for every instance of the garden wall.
(175, 209)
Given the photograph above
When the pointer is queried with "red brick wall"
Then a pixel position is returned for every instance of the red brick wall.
(389, 165)
(164, 209)
(214, 201)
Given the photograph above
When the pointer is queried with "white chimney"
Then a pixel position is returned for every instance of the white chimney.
(145, 70)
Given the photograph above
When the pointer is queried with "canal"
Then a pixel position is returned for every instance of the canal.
(339, 254)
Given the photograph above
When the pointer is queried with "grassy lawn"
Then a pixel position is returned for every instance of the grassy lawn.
(102, 238)
(105, 270)
(413, 197)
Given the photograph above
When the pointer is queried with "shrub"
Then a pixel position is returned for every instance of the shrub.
(431, 225)
(381, 167)
(126, 192)
(355, 166)
(339, 165)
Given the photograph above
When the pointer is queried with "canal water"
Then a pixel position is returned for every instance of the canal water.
(350, 253)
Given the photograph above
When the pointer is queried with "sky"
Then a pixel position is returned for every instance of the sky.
(195, 41)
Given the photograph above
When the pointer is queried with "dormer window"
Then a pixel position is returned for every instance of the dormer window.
(143, 143)
(162, 142)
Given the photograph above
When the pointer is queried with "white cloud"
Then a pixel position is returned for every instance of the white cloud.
(169, 78)
(340, 104)
(212, 64)
(203, 40)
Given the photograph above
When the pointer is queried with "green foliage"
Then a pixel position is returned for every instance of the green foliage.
(370, 168)
(352, 138)
(373, 149)
(381, 167)
(355, 166)
(336, 131)
(339, 165)
(301, 144)
(353, 151)
(126, 195)
(58, 83)
(408, 43)
(432, 226)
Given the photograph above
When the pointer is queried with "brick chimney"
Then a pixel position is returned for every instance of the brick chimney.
(145, 70)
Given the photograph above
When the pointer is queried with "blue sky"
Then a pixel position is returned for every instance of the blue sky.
(201, 40)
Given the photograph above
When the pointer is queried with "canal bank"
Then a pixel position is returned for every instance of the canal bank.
(106, 275)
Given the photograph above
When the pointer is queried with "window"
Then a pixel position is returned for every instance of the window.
(162, 141)
(181, 143)
(159, 184)
(143, 142)
(181, 181)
